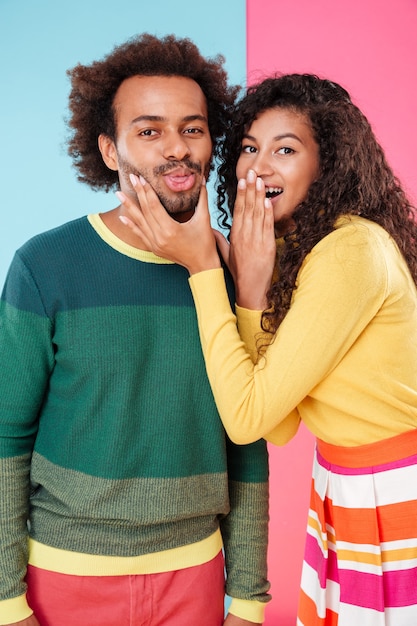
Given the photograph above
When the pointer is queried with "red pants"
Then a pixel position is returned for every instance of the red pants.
(187, 597)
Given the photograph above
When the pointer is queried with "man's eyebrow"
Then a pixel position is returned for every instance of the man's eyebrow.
(192, 118)
(160, 118)
(147, 118)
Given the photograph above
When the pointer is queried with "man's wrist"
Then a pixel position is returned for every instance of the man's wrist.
(250, 610)
(14, 610)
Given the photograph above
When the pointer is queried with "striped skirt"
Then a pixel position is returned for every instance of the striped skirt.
(360, 564)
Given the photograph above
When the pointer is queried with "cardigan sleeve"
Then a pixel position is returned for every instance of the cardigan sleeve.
(340, 287)
(251, 333)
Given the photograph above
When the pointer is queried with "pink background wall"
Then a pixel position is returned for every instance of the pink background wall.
(370, 47)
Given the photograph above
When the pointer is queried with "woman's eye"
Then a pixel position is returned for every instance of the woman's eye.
(249, 149)
(285, 150)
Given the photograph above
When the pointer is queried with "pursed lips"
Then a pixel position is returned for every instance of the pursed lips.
(180, 179)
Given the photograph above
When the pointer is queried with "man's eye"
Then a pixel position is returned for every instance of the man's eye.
(148, 132)
(193, 131)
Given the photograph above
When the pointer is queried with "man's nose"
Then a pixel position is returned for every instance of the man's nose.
(176, 147)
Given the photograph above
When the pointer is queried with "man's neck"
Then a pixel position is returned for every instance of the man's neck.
(113, 223)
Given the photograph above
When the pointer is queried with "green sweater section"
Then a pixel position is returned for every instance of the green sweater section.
(106, 402)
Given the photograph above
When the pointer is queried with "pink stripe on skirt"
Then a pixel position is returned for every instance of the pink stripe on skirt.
(360, 565)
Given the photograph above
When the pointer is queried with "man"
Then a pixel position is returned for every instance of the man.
(114, 467)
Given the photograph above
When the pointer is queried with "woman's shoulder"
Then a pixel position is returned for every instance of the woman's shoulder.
(353, 231)
(356, 247)
(360, 228)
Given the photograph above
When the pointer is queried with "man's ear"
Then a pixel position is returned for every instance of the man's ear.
(108, 152)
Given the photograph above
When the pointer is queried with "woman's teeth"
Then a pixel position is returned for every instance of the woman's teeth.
(271, 192)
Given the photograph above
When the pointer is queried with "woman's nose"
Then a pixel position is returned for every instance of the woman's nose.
(262, 164)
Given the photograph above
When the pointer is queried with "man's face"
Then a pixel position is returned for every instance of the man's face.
(162, 134)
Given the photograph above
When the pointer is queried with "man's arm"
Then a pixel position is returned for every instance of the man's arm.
(245, 531)
(26, 358)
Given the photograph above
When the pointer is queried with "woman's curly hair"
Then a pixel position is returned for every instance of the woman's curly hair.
(355, 177)
(94, 88)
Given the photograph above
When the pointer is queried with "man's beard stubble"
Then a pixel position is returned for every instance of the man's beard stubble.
(183, 202)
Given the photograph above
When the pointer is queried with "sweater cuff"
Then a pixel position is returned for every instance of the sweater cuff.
(203, 286)
(249, 319)
(14, 610)
(250, 331)
(251, 610)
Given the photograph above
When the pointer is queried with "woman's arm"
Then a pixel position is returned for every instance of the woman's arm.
(341, 287)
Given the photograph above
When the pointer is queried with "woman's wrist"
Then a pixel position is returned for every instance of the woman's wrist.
(249, 299)
(199, 264)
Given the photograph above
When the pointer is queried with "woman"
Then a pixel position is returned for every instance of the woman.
(326, 330)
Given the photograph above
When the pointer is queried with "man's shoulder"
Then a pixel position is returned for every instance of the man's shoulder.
(57, 235)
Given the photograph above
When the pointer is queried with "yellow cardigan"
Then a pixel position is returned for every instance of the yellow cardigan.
(344, 359)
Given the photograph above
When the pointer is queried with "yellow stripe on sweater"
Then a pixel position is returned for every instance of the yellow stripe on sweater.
(77, 564)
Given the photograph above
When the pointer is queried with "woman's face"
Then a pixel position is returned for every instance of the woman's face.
(279, 146)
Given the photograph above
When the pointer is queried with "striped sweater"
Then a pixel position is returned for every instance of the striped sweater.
(105, 401)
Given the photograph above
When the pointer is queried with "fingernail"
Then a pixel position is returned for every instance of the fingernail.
(251, 176)
(124, 220)
(259, 184)
(267, 203)
(142, 180)
(120, 195)
(241, 183)
(133, 179)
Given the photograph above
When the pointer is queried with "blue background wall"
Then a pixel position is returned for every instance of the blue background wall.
(39, 41)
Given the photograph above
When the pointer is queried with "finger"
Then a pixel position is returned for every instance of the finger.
(252, 227)
(258, 216)
(202, 209)
(133, 227)
(135, 219)
(250, 198)
(149, 202)
(259, 205)
(269, 222)
(136, 230)
(135, 214)
(239, 206)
